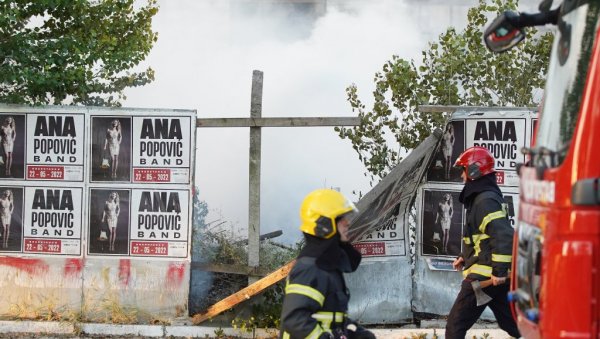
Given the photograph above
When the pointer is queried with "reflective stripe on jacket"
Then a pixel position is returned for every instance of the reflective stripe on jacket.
(487, 237)
(316, 301)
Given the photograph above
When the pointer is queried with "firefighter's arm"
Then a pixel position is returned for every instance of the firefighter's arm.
(304, 296)
(458, 263)
(354, 256)
(495, 224)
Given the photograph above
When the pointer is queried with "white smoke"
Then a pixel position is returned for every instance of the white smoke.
(204, 58)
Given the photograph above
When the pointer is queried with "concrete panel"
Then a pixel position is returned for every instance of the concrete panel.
(123, 330)
(36, 327)
(32, 288)
(135, 291)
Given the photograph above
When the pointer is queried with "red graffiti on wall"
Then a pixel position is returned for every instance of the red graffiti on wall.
(124, 271)
(175, 274)
(73, 267)
(31, 266)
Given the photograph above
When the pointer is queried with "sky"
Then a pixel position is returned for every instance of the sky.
(204, 58)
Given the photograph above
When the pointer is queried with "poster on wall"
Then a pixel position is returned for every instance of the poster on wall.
(55, 147)
(12, 146)
(159, 222)
(162, 149)
(433, 235)
(11, 217)
(69, 176)
(110, 154)
(386, 240)
(52, 221)
(504, 138)
(108, 227)
(452, 144)
(441, 223)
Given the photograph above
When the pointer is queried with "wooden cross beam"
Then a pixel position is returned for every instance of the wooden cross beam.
(256, 122)
(277, 122)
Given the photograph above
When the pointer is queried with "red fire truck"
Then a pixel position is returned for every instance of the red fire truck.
(556, 258)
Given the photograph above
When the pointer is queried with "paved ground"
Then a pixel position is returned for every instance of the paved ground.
(38, 329)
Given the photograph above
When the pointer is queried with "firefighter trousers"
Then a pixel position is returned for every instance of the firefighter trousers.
(465, 312)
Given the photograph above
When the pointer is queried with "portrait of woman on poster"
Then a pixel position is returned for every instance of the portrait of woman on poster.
(112, 145)
(451, 144)
(110, 216)
(443, 217)
(8, 134)
(447, 148)
(441, 225)
(7, 207)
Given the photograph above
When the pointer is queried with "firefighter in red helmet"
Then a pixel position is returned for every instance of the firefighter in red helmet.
(316, 298)
(487, 246)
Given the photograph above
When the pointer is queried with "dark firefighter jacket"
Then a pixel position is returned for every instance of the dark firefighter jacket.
(488, 234)
(316, 297)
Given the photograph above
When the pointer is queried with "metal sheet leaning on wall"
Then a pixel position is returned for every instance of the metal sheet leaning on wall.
(381, 288)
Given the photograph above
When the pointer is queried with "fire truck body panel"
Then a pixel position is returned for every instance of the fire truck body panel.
(556, 254)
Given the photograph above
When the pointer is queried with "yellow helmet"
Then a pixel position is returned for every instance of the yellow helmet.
(319, 212)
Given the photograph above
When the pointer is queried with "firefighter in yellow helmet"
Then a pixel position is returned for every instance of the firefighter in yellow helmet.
(316, 297)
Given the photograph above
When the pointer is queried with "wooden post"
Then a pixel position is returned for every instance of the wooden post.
(256, 122)
(254, 175)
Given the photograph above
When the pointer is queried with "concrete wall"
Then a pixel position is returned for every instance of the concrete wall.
(56, 263)
(96, 290)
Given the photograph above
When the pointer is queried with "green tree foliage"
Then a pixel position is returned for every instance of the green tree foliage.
(456, 70)
(73, 52)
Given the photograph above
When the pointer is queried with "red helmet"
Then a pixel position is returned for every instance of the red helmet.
(477, 161)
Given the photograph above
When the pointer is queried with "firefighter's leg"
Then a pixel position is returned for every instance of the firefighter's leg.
(464, 312)
(501, 309)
